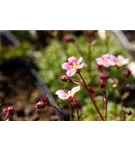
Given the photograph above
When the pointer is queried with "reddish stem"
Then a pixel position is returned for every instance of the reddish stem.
(78, 116)
(105, 104)
(60, 113)
(93, 101)
(7, 116)
(70, 111)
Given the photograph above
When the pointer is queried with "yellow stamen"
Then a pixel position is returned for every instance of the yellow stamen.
(118, 63)
(75, 66)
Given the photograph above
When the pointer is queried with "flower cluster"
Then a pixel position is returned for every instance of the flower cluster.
(108, 60)
(72, 67)
(7, 112)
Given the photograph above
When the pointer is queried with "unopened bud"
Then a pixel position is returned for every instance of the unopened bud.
(69, 38)
(11, 109)
(45, 99)
(128, 112)
(65, 78)
(103, 77)
(42, 103)
(75, 103)
(99, 67)
(127, 73)
(102, 84)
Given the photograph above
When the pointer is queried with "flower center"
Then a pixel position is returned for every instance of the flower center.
(75, 66)
(118, 63)
(70, 95)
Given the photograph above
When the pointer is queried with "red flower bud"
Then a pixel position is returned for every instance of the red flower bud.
(65, 78)
(69, 38)
(99, 67)
(75, 103)
(102, 84)
(5, 111)
(128, 112)
(103, 77)
(127, 73)
(11, 109)
(42, 103)
(8, 111)
(45, 99)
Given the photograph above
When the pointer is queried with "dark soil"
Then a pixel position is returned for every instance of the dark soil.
(20, 91)
(130, 35)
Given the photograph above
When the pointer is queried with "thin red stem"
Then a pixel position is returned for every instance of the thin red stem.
(105, 104)
(61, 115)
(78, 116)
(93, 101)
(70, 111)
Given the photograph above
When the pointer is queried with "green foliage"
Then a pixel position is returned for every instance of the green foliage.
(57, 53)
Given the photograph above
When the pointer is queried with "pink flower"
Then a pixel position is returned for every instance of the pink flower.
(63, 94)
(106, 60)
(73, 65)
(120, 61)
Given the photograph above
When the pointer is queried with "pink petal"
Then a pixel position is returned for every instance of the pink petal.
(99, 61)
(75, 89)
(123, 60)
(106, 64)
(66, 66)
(111, 63)
(70, 72)
(113, 58)
(80, 60)
(62, 94)
(120, 57)
(80, 63)
(81, 66)
(126, 61)
(72, 60)
(105, 56)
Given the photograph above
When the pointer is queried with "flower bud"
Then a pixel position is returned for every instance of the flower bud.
(99, 67)
(65, 78)
(127, 73)
(11, 109)
(40, 105)
(103, 77)
(128, 112)
(75, 103)
(102, 84)
(8, 110)
(69, 38)
(45, 99)
(5, 111)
